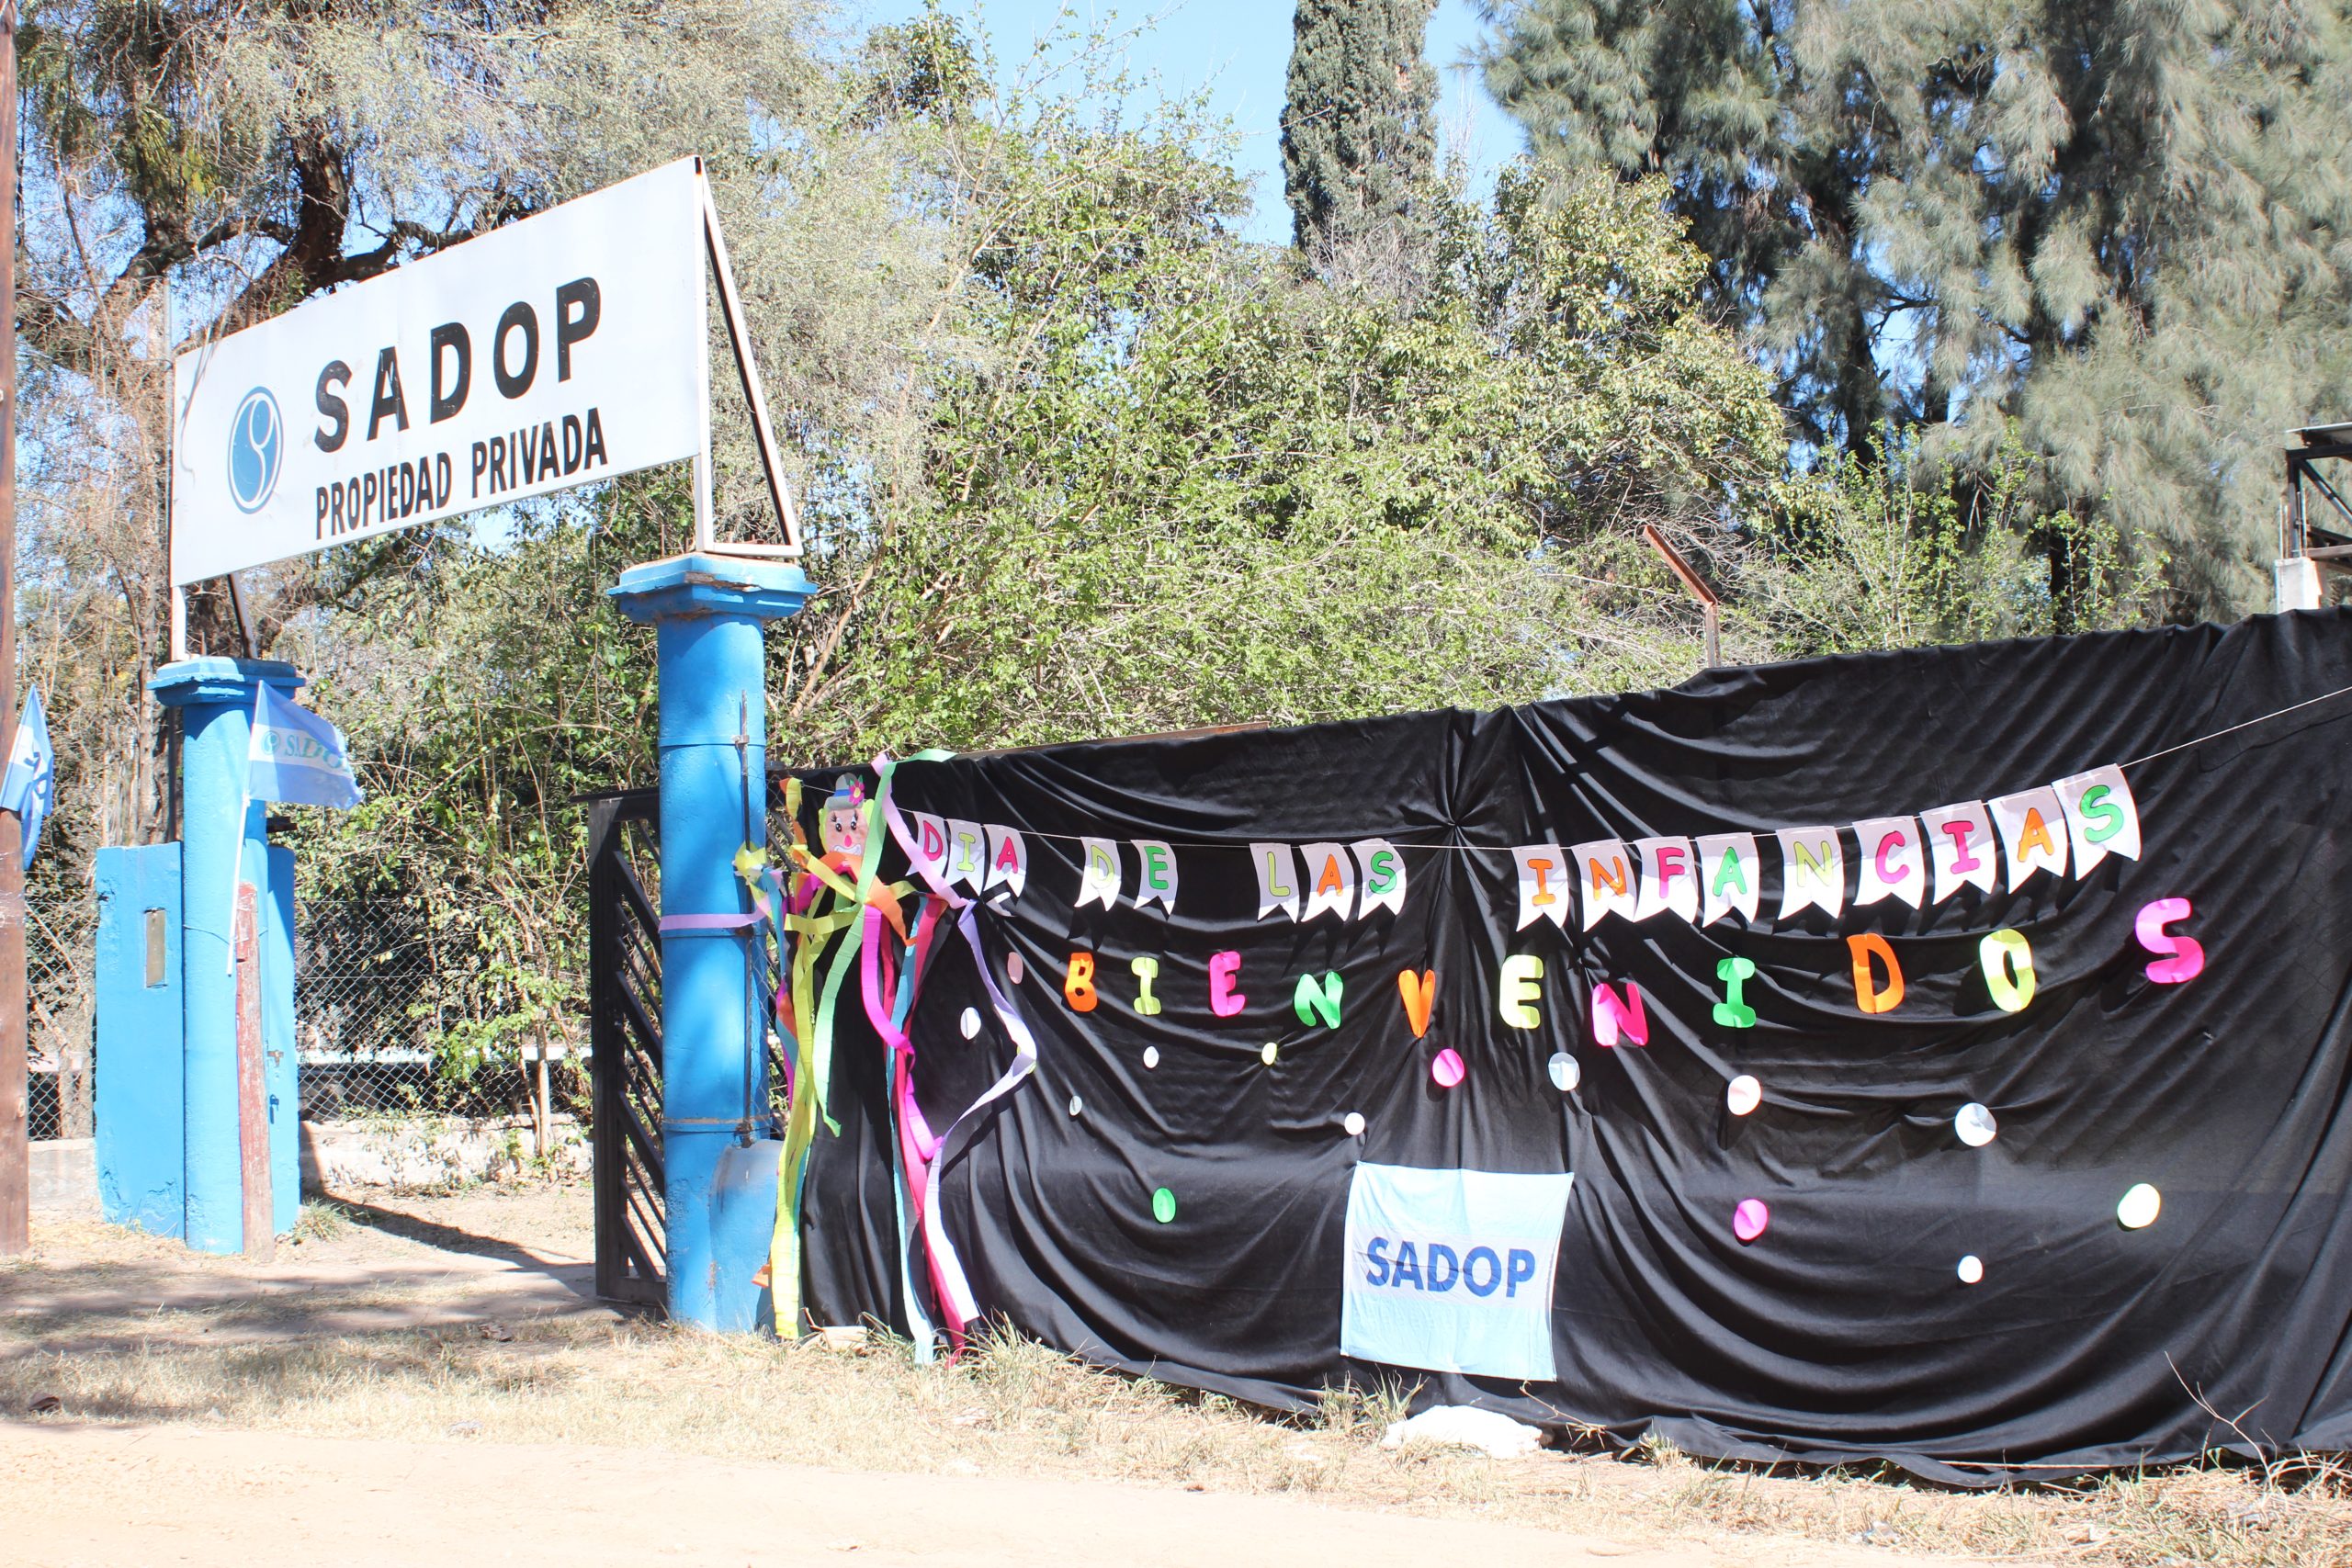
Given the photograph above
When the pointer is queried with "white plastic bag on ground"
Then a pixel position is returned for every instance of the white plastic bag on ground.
(1464, 1426)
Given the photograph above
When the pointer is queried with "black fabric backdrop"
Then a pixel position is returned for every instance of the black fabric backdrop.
(1841, 1335)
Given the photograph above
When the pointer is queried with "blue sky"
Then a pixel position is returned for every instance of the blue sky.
(1240, 50)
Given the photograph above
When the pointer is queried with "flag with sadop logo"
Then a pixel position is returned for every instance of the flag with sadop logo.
(29, 787)
(296, 756)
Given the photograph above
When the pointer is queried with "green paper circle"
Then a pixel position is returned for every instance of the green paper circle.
(1163, 1206)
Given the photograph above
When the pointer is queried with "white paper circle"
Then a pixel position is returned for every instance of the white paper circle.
(2139, 1208)
(1975, 1125)
(1353, 1122)
(1565, 1071)
(1151, 1056)
(1075, 1105)
(1972, 1269)
(1743, 1094)
(1268, 1052)
(970, 1022)
(1013, 967)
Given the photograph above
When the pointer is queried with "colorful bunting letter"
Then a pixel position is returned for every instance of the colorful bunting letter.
(1156, 882)
(2032, 826)
(1603, 870)
(1960, 846)
(1892, 861)
(1008, 858)
(1098, 879)
(1225, 995)
(1616, 1018)
(1669, 878)
(1812, 870)
(1543, 884)
(1728, 867)
(2102, 819)
(1517, 997)
(1384, 876)
(1331, 880)
(1277, 870)
(968, 847)
(2182, 958)
(1420, 993)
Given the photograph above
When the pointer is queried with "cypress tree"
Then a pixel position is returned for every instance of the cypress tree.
(2118, 231)
(1359, 129)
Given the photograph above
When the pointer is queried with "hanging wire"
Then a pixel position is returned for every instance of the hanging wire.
(1506, 849)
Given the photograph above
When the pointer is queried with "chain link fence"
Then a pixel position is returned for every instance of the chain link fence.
(385, 1024)
(61, 942)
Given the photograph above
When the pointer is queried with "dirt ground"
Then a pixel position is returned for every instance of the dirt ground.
(422, 1378)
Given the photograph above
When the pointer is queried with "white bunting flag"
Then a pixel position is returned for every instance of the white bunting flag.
(1960, 847)
(2032, 828)
(1669, 879)
(1008, 858)
(1384, 876)
(2102, 819)
(1605, 879)
(1156, 881)
(1098, 873)
(1277, 879)
(1330, 875)
(1729, 868)
(1543, 884)
(1893, 861)
(1812, 870)
(967, 852)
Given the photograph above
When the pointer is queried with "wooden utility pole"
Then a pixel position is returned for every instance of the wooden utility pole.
(15, 1153)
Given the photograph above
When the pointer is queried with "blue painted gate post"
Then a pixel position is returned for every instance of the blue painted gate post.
(215, 698)
(708, 612)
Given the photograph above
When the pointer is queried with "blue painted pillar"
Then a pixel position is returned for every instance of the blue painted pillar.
(215, 698)
(708, 612)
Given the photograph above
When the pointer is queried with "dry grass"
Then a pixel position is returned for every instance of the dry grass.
(1016, 1406)
(1009, 1406)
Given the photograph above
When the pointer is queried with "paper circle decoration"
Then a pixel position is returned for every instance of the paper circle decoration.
(1975, 1125)
(1353, 1122)
(1747, 1220)
(1447, 1069)
(1075, 1105)
(1564, 1072)
(1743, 1094)
(1163, 1206)
(970, 1022)
(2139, 1208)
(1151, 1056)
(1268, 1052)
(1013, 967)
(1972, 1269)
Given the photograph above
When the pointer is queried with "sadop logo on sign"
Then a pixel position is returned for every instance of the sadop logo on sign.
(1453, 1270)
(257, 450)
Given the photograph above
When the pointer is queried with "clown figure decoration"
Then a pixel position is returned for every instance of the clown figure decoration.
(842, 827)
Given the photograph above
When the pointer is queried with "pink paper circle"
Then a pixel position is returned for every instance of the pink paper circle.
(1447, 1068)
(1747, 1220)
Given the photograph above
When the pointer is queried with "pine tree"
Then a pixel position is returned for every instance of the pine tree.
(1359, 132)
(2117, 231)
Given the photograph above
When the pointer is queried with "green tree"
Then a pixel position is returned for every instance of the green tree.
(1359, 134)
(2115, 231)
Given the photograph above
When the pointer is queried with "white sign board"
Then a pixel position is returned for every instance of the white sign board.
(557, 351)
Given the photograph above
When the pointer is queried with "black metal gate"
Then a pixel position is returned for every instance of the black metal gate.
(624, 1040)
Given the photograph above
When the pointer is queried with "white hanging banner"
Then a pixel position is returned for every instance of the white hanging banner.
(566, 348)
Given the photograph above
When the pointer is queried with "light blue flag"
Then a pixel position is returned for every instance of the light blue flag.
(29, 787)
(296, 756)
